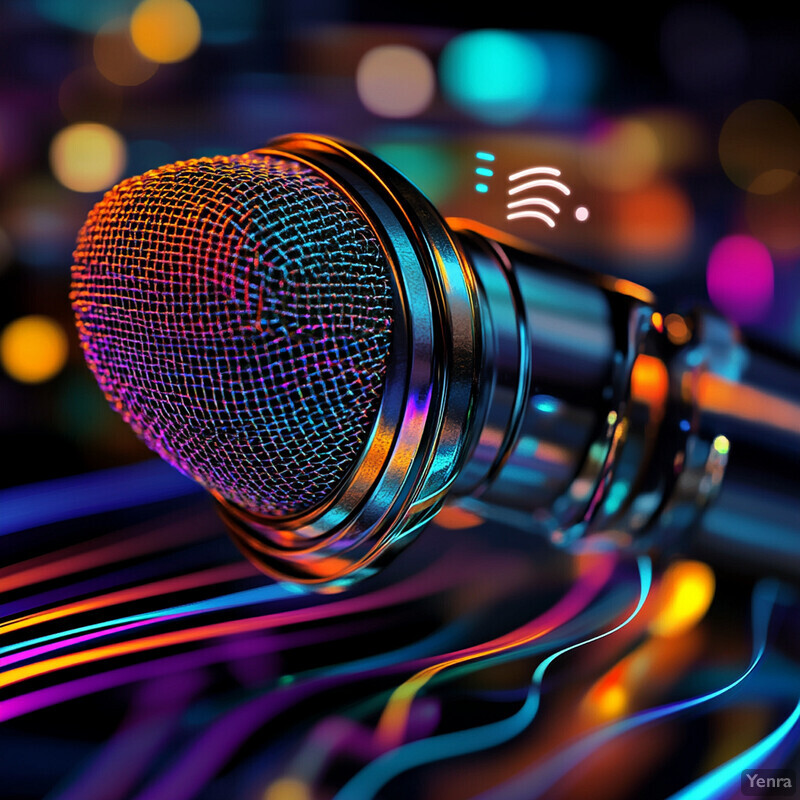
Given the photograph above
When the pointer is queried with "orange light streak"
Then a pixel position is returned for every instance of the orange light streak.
(392, 595)
(208, 577)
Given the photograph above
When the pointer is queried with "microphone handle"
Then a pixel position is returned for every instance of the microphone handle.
(596, 418)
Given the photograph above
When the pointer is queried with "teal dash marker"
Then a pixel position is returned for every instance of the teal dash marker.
(484, 172)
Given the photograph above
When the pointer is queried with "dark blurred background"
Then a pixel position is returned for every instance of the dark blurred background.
(141, 656)
(676, 127)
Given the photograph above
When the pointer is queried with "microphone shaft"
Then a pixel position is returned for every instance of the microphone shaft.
(593, 420)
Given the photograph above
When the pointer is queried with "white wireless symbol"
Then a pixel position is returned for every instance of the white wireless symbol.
(529, 204)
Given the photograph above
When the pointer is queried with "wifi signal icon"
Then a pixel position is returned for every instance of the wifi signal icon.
(530, 205)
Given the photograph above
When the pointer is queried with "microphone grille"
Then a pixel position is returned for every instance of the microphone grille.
(237, 311)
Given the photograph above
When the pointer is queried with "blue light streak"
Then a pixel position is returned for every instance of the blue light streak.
(261, 594)
(723, 779)
(36, 504)
(537, 781)
(376, 774)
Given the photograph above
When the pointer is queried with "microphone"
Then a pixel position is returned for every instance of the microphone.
(299, 330)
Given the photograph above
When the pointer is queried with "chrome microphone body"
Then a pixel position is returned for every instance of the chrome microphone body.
(517, 386)
(597, 421)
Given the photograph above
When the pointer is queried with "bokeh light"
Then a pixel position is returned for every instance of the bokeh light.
(759, 146)
(649, 380)
(498, 76)
(682, 140)
(774, 219)
(740, 278)
(288, 789)
(165, 31)
(87, 156)
(722, 445)
(657, 320)
(656, 221)
(117, 59)
(33, 349)
(678, 331)
(684, 596)
(395, 81)
(610, 699)
(621, 155)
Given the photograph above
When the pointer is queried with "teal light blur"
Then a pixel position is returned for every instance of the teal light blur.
(577, 66)
(84, 15)
(497, 76)
(545, 403)
(230, 21)
(430, 166)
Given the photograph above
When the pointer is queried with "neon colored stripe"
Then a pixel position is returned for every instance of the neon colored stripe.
(367, 783)
(85, 633)
(723, 779)
(399, 593)
(392, 725)
(537, 781)
(208, 577)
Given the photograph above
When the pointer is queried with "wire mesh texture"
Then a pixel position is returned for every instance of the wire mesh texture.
(237, 312)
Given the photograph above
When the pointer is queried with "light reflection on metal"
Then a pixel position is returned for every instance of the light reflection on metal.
(628, 437)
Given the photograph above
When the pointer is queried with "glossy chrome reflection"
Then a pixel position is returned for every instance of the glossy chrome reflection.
(539, 395)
